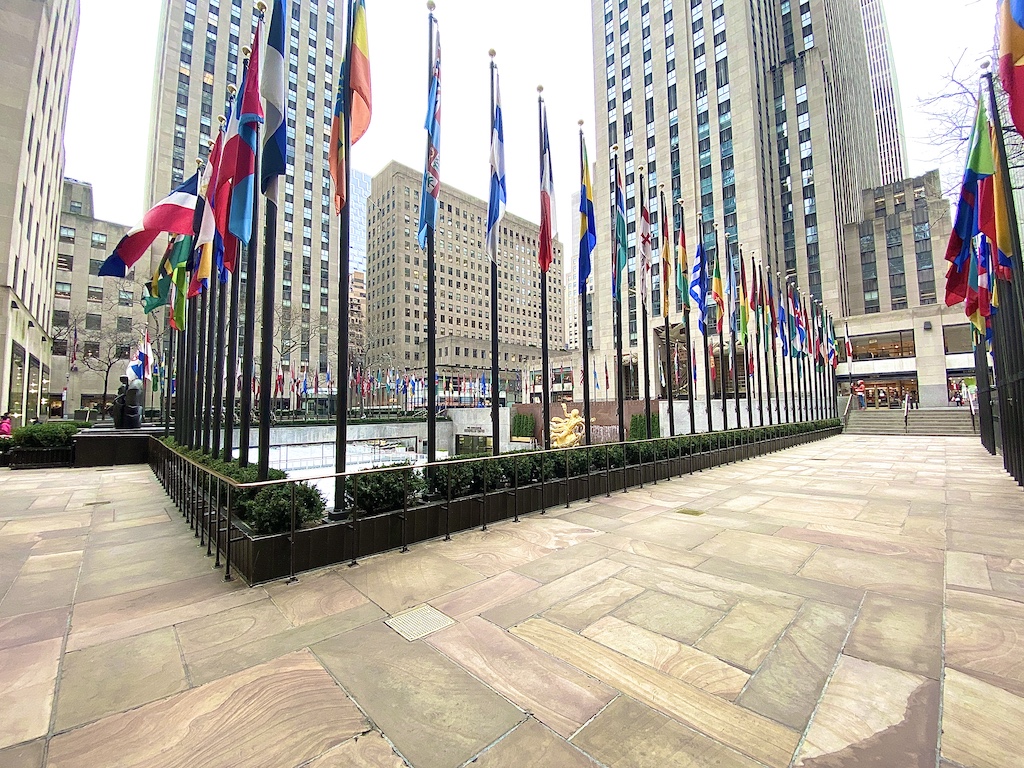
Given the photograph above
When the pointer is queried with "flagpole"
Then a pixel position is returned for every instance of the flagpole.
(231, 374)
(734, 320)
(168, 368)
(619, 380)
(786, 346)
(759, 305)
(584, 340)
(794, 385)
(495, 446)
(211, 330)
(666, 292)
(545, 366)
(747, 357)
(179, 384)
(431, 279)
(643, 291)
(767, 275)
(721, 337)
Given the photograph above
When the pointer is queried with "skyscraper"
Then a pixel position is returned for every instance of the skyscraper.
(755, 114)
(892, 144)
(37, 47)
(200, 44)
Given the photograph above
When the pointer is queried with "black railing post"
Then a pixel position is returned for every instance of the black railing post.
(405, 509)
(227, 538)
(291, 538)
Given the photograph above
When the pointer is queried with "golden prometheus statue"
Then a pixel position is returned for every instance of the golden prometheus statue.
(567, 432)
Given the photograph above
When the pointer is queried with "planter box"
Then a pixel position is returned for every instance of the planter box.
(41, 458)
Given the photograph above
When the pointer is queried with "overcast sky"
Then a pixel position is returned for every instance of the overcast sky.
(537, 41)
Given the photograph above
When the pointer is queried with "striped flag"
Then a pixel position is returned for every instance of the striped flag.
(666, 251)
(643, 276)
(354, 103)
(548, 223)
(250, 117)
(499, 192)
(620, 256)
(588, 227)
(275, 145)
(432, 170)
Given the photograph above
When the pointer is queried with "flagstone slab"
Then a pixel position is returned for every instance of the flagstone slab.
(368, 750)
(683, 662)
(532, 744)
(434, 712)
(988, 647)
(33, 627)
(397, 583)
(673, 617)
(33, 592)
(788, 683)
(899, 633)
(118, 675)
(746, 634)
(558, 695)
(751, 734)
(865, 543)
(217, 632)
(860, 570)
(765, 584)
(489, 552)
(757, 550)
(563, 561)
(484, 595)
(588, 606)
(981, 723)
(585, 517)
(314, 596)
(285, 712)
(649, 549)
(873, 715)
(28, 674)
(678, 532)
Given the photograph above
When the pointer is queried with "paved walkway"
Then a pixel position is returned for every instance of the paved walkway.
(826, 606)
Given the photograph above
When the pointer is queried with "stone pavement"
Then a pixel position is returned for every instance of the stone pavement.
(828, 606)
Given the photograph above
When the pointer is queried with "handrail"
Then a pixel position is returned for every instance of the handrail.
(906, 413)
(846, 411)
(970, 403)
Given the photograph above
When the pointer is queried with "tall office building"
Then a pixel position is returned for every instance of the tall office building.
(37, 47)
(396, 288)
(892, 145)
(357, 237)
(200, 45)
(755, 114)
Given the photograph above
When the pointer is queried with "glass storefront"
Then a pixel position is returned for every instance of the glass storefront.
(884, 392)
(883, 346)
(32, 402)
(16, 390)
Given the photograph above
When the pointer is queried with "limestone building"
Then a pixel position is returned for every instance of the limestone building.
(756, 114)
(396, 286)
(357, 314)
(200, 43)
(37, 47)
(892, 143)
(904, 338)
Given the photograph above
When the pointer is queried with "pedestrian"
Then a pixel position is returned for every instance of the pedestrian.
(5, 425)
(860, 390)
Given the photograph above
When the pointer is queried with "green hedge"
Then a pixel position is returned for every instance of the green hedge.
(638, 426)
(48, 434)
(523, 425)
(376, 492)
(267, 510)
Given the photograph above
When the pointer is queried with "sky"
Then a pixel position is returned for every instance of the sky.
(111, 89)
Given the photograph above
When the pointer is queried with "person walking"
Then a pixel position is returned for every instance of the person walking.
(860, 389)
(5, 425)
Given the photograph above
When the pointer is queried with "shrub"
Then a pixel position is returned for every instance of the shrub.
(384, 491)
(638, 426)
(49, 434)
(523, 425)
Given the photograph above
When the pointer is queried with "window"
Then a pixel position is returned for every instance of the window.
(75, 206)
(93, 322)
(60, 318)
(65, 261)
(123, 351)
(92, 349)
(60, 348)
(125, 298)
(124, 324)
(94, 266)
(99, 240)
(67, 234)
(62, 289)
(95, 293)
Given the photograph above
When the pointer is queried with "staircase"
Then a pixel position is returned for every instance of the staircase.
(932, 421)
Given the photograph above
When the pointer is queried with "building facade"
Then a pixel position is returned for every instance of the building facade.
(200, 43)
(756, 115)
(357, 314)
(98, 322)
(892, 143)
(904, 339)
(396, 286)
(38, 47)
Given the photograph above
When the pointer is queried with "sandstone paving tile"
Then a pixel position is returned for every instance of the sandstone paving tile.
(670, 616)
(118, 675)
(1009, 585)
(985, 544)
(928, 530)
(981, 723)
(34, 592)
(368, 750)
(747, 633)
(517, 609)
(596, 522)
(147, 570)
(477, 598)
(28, 755)
(1005, 564)
(788, 683)
(630, 735)
(33, 526)
(560, 696)
(740, 729)
(899, 633)
(967, 569)
(213, 633)
(758, 550)
(52, 545)
(284, 712)
(396, 583)
(211, 666)
(683, 662)
(864, 543)
(314, 596)
(33, 627)
(649, 549)
(56, 561)
(860, 570)
(590, 605)
(28, 674)
(563, 561)
(432, 710)
(990, 648)
(531, 744)
(678, 532)
(488, 552)
(873, 715)
(764, 585)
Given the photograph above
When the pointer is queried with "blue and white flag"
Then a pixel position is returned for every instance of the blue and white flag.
(499, 194)
(275, 146)
(699, 286)
(432, 170)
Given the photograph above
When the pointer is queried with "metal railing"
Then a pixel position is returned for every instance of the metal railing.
(394, 507)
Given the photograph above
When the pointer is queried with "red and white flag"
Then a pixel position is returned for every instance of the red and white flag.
(548, 226)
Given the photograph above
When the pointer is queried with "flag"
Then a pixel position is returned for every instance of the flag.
(431, 188)
(73, 365)
(173, 215)
(993, 214)
(548, 222)
(666, 251)
(607, 381)
(250, 117)
(717, 292)
(146, 356)
(178, 290)
(698, 291)
(965, 227)
(1011, 57)
(783, 328)
(588, 227)
(754, 301)
(159, 288)
(620, 257)
(226, 172)
(682, 263)
(275, 145)
(499, 193)
(643, 276)
(204, 222)
(849, 345)
(353, 103)
(741, 298)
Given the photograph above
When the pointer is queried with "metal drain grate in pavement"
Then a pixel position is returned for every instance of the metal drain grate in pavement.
(418, 622)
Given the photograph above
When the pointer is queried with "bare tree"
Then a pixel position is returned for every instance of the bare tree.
(104, 349)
